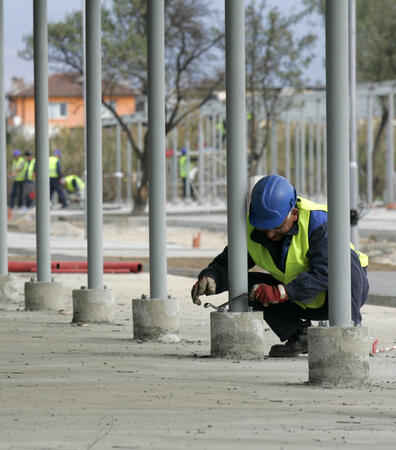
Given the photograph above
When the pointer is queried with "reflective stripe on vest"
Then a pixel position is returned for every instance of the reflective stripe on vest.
(19, 164)
(53, 172)
(296, 259)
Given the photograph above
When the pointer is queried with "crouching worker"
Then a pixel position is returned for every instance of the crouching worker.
(75, 188)
(287, 236)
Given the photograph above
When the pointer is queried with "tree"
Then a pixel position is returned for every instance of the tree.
(375, 59)
(190, 43)
(275, 58)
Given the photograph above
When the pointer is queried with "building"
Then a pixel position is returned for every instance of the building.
(65, 102)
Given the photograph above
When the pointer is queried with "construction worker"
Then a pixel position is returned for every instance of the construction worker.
(55, 173)
(286, 236)
(75, 187)
(185, 173)
(30, 176)
(17, 171)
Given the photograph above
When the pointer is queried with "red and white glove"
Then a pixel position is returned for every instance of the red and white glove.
(266, 294)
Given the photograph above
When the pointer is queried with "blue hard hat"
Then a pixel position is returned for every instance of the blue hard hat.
(17, 153)
(57, 152)
(183, 151)
(273, 197)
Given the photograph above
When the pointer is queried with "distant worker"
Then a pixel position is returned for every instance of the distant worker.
(55, 174)
(75, 187)
(30, 176)
(185, 173)
(288, 237)
(17, 171)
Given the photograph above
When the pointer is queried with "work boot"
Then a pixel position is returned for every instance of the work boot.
(296, 345)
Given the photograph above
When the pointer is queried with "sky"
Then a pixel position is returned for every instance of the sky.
(18, 21)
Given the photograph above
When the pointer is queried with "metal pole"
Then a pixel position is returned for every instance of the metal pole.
(175, 176)
(200, 160)
(310, 159)
(325, 159)
(236, 153)
(214, 157)
(297, 156)
(370, 146)
(354, 174)
(156, 146)
(274, 147)
(118, 164)
(338, 162)
(318, 153)
(390, 159)
(287, 149)
(303, 155)
(40, 38)
(3, 159)
(129, 171)
(94, 144)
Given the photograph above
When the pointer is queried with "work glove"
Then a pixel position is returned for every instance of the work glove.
(206, 285)
(266, 294)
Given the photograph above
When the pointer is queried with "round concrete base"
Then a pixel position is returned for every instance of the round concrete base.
(155, 319)
(43, 295)
(338, 355)
(9, 289)
(93, 306)
(237, 335)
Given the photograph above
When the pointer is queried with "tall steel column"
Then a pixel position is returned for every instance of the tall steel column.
(3, 159)
(310, 159)
(274, 147)
(175, 176)
(118, 164)
(236, 152)
(338, 162)
(200, 160)
(287, 148)
(370, 148)
(354, 174)
(303, 156)
(94, 144)
(318, 153)
(156, 146)
(390, 152)
(40, 38)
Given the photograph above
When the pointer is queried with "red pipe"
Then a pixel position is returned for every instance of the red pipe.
(76, 266)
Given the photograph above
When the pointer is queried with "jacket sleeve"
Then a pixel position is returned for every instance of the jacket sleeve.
(59, 168)
(306, 286)
(218, 270)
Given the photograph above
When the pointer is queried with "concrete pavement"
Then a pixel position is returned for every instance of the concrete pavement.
(65, 386)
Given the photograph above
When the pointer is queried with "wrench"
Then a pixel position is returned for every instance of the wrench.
(222, 308)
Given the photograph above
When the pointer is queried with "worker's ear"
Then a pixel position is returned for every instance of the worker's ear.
(294, 214)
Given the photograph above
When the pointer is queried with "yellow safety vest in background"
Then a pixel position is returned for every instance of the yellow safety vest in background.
(53, 173)
(29, 169)
(296, 259)
(19, 164)
(69, 183)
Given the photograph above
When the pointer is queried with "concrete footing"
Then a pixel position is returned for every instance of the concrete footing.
(93, 306)
(338, 355)
(237, 335)
(43, 295)
(9, 289)
(155, 319)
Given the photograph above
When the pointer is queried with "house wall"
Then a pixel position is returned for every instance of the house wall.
(24, 108)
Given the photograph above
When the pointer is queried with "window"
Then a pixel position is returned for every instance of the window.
(57, 110)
